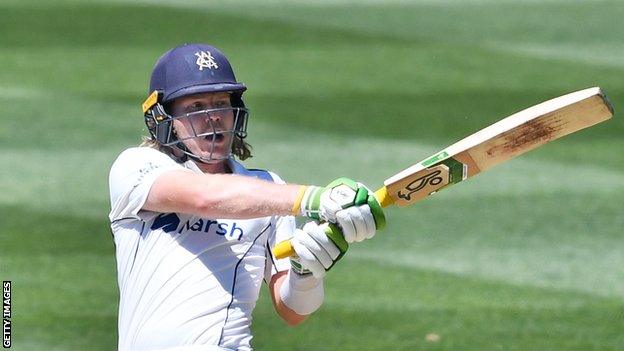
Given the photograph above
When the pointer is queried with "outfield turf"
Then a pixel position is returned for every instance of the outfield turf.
(528, 256)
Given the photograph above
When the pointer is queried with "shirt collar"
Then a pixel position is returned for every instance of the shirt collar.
(235, 166)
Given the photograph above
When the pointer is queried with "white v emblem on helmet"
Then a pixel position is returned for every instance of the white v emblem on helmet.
(205, 60)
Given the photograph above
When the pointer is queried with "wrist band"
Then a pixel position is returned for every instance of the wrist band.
(303, 294)
(296, 209)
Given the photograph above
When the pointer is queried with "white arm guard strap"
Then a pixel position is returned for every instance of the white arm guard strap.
(303, 294)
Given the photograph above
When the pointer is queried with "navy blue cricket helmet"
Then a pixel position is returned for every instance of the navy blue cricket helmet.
(186, 70)
(191, 69)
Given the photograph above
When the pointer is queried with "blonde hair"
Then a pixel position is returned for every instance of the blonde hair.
(240, 148)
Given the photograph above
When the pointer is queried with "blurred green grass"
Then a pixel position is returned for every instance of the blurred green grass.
(526, 256)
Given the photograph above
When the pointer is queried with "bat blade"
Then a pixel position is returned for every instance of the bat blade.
(500, 142)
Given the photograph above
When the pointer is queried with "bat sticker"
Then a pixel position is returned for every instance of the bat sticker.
(435, 158)
(432, 178)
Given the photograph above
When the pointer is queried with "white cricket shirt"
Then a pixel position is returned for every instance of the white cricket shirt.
(185, 282)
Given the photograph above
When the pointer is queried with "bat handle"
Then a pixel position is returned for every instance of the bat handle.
(285, 249)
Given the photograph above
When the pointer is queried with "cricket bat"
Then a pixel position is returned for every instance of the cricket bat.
(498, 143)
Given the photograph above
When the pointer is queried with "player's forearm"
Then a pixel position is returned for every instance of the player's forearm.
(220, 196)
(238, 197)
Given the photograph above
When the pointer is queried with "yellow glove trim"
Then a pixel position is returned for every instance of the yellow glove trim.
(296, 209)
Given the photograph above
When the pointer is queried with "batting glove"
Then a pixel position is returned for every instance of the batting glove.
(318, 248)
(349, 204)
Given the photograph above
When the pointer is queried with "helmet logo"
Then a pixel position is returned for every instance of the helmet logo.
(205, 60)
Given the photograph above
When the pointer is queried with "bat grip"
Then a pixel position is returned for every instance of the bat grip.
(285, 249)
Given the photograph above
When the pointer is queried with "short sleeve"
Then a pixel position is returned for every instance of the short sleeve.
(131, 178)
(284, 230)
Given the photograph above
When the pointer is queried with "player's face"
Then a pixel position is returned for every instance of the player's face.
(202, 126)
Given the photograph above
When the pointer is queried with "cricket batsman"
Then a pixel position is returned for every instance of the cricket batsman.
(193, 227)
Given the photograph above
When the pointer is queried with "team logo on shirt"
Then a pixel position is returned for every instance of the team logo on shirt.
(169, 222)
(230, 230)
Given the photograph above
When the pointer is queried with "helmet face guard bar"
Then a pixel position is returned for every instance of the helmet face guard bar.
(209, 124)
(215, 125)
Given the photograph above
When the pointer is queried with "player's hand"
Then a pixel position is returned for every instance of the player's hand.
(318, 248)
(349, 204)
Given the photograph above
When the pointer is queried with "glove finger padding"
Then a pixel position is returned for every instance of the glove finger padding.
(306, 260)
(343, 218)
(306, 239)
(357, 223)
(318, 248)
(318, 233)
(369, 221)
(357, 217)
(374, 207)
